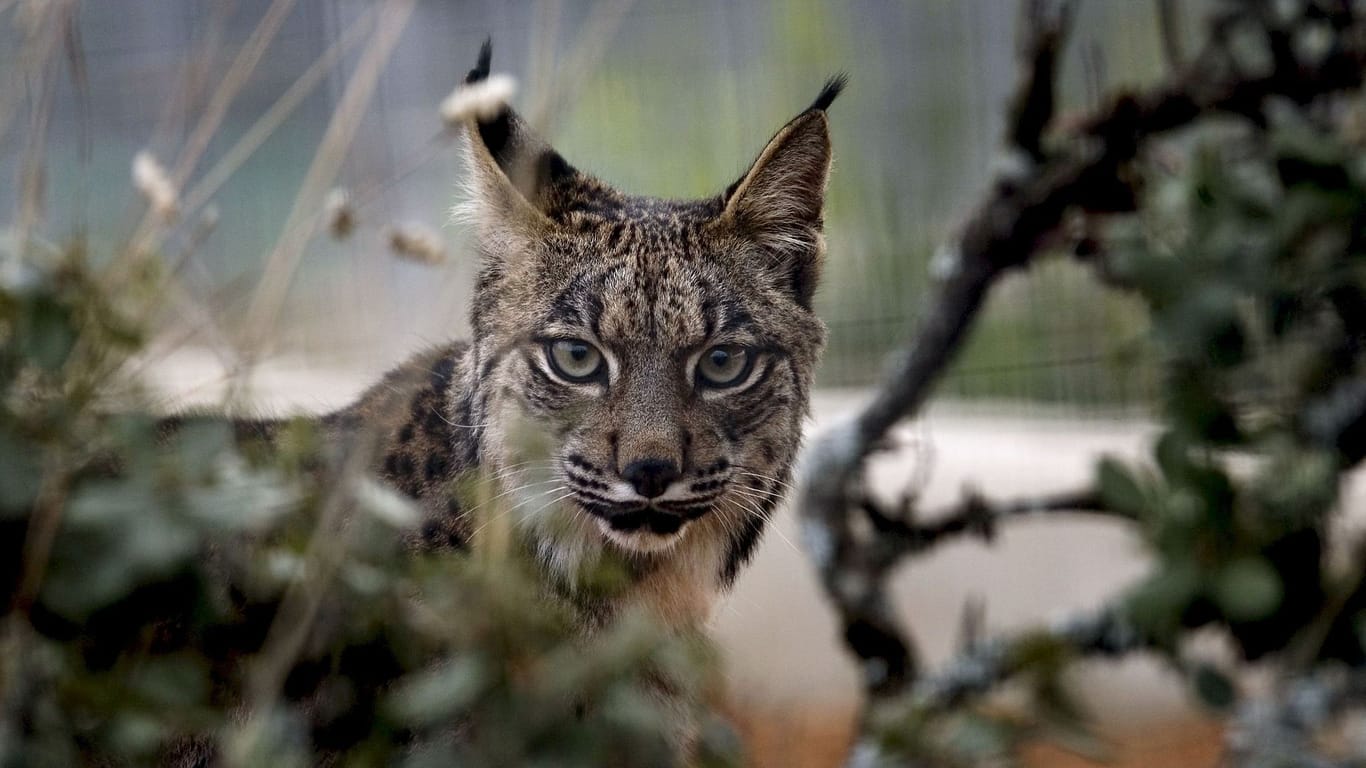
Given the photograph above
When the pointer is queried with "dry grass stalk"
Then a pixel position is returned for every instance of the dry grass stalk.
(339, 213)
(273, 286)
(268, 122)
(237, 75)
(151, 180)
(44, 26)
(415, 242)
(561, 77)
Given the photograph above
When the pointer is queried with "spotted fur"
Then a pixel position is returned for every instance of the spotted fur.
(652, 284)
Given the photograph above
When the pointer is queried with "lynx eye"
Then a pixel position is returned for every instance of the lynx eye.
(574, 359)
(725, 365)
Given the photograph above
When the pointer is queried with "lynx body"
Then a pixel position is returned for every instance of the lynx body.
(639, 372)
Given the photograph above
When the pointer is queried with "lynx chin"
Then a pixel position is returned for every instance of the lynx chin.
(639, 371)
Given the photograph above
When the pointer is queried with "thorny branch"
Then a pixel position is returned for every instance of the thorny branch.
(979, 668)
(1042, 183)
(975, 516)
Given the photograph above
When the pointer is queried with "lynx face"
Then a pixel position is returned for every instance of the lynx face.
(673, 379)
(659, 353)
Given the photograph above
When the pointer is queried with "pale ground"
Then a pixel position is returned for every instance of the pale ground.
(780, 637)
(783, 640)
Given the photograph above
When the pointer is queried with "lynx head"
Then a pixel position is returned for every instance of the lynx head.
(663, 350)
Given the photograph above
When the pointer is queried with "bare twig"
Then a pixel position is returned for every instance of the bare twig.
(42, 533)
(1000, 235)
(1041, 36)
(41, 81)
(564, 75)
(1094, 66)
(80, 85)
(986, 663)
(229, 86)
(978, 516)
(1168, 26)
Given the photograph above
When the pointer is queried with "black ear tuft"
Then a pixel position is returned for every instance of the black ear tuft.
(481, 68)
(497, 130)
(832, 88)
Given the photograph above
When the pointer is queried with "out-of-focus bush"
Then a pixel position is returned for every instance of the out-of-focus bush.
(171, 594)
(1231, 202)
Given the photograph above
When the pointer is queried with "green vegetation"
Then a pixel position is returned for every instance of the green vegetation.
(1228, 208)
(154, 587)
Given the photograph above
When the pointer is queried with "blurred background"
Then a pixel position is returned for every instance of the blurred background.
(660, 98)
(235, 98)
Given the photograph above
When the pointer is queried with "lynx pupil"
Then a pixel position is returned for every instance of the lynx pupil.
(723, 366)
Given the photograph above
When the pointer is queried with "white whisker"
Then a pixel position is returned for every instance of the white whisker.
(754, 509)
(467, 512)
(774, 480)
(504, 512)
(555, 500)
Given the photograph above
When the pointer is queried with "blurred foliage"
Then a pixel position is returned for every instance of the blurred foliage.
(1253, 263)
(167, 590)
(1247, 253)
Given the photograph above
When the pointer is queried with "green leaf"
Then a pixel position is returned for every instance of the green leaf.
(1119, 489)
(384, 503)
(21, 475)
(1213, 687)
(1247, 589)
(48, 332)
(136, 734)
(1298, 486)
(240, 501)
(1158, 603)
(200, 442)
(980, 739)
(177, 681)
(1170, 452)
(115, 536)
(438, 694)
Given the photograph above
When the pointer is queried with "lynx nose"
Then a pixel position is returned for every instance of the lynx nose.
(650, 477)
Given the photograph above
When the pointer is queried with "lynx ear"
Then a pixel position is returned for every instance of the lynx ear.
(780, 201)
(514, 174)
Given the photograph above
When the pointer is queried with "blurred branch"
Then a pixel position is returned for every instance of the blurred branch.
(980, 667)
(991, 242)
(1041, 36)
(1025, 207)
(975, 516)
(297, 612)
(1167, 26)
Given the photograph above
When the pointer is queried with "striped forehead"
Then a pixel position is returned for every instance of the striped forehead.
(645, 273)
(664, 301)
(668, 302)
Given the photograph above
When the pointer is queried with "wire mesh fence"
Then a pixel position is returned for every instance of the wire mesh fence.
(660, 98)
